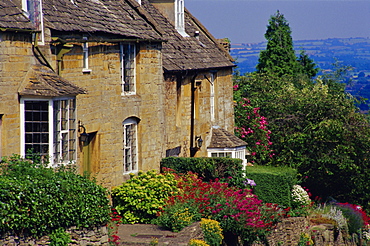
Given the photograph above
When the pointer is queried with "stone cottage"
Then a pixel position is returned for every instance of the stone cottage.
(113, 86)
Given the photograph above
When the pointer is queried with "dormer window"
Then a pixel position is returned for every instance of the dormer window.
(180, 17)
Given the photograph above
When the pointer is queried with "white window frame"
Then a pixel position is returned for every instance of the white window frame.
(65, 138)
(130, 124)
(85, 59)
(237, 152)
(25, 7)
(128, 64)
(53, 140)
(180, 18)
(139, 1)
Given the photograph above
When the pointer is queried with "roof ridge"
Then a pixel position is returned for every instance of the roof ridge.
(209, 35)
(146, 15)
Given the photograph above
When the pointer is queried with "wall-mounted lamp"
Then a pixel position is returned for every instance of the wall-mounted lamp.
(199, 141)
(84, 137)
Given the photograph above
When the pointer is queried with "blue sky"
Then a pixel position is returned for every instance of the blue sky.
(245, 21)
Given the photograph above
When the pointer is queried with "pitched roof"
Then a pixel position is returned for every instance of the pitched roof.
(119, 17)
(12, 17)
(188, 53)
(42, 81)
(224, 139)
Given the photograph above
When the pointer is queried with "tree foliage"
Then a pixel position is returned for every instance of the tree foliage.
(315, 128)
(279, 57)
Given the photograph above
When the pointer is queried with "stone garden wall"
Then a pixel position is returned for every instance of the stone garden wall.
(288, 233)
(86, 236)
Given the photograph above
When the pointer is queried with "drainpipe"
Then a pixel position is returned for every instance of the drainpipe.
(193, 149)
(35, 37)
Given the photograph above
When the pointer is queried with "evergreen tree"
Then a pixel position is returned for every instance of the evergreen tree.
(279, 57)
(308, 67)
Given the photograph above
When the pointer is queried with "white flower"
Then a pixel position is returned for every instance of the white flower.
(300, 196)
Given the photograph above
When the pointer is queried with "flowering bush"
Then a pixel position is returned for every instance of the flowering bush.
(237, 210)
(300, 196)
(140, 198)
(366, 235)
(334, 213)
(301, 202)
(196, 242)
(249, 182)
(212, 232)
(252, 128)
(113, 228)
(356, 216)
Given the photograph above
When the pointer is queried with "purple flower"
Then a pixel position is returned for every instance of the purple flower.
(250, 182)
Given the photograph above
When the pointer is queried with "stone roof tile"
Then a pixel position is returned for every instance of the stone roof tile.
(188, 53)
(224, 139)
(42, 81)
(91, 16)
(12, 17)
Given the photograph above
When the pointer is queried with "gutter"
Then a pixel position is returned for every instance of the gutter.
(16, 30)
(137, 40)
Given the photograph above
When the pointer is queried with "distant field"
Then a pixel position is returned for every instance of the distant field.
(353, 52)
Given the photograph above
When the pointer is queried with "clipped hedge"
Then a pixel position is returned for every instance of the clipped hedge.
(209, 168)
(37, 200)
(273, 184)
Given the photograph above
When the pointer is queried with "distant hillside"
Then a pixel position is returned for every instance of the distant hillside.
(354, 52)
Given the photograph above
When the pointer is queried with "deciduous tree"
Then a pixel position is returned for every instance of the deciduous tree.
(315, 127)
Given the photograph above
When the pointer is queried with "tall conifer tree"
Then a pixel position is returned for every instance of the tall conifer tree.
(279, 57)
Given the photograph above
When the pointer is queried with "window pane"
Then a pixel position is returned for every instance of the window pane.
(128, 67)
(214, 154)
(129, 147)
(65, 131)
(36, 127)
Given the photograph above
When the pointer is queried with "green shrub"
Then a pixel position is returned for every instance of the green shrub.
(305, 239)
(228, 170)
(59, 237)
(37, 200)
(274, 184)
(178, 216)
(139, 199)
